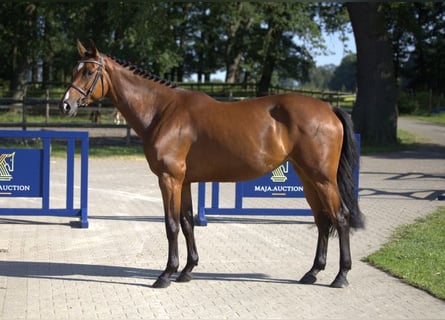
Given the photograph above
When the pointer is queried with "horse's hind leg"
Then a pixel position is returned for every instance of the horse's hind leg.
(325, 201)
(320, 256)
(345, 251)
(187, 225)
(330, 197)
(323, 225)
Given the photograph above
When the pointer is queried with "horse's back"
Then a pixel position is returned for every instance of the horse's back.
(289, 109)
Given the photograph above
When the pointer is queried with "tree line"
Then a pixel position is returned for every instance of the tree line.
(399, 45)
(251, 41)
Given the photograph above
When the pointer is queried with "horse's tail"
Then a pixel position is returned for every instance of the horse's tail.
(349, 159)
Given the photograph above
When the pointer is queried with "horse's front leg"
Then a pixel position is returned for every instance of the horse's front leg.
(171, 194)
(187, 225)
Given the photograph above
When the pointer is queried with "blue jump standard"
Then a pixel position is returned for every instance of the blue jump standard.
(26, 173)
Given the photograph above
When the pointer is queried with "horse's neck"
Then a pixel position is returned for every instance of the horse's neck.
(138, 99)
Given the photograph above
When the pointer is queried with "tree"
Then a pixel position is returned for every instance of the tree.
(416, 29)
(206, 39)
(344, 77)
(283, 22)
(320, 77)
(19, 29)
(144, 33)
(252, 41)
(238, 19)
(375, 112)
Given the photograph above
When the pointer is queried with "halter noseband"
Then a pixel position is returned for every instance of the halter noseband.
(86, 94)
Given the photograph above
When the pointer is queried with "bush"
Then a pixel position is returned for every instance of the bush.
(418, 102)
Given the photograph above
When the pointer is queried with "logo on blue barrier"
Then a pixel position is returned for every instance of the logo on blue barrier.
(278, 175)
(281, 182)
(20, 173)
(6, 166)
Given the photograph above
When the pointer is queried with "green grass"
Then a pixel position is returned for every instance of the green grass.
(132, 151)
(99, 147)
(435, 118)
(98, 150)
(83, 117)
(416, 254)
(406, 141)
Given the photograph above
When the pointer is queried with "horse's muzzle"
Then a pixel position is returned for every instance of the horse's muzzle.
(68, 108)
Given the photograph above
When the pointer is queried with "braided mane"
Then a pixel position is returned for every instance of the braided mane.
(143, 73)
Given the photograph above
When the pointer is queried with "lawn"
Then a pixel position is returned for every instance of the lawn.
(98, 147)
(436, 118)
(416, 254)
(406, 141)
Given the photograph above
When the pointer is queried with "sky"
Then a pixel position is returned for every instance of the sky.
(336, 49)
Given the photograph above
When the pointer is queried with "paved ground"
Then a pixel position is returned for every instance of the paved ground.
(249, 266)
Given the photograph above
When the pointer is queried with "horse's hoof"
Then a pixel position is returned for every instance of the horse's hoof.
(308, 278)
(161, 283)
(184, 277)
(339, 282)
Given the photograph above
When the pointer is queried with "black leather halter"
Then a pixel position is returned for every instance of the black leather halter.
(86, 94)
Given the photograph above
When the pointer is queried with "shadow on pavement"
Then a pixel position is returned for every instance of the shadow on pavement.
(94, 273)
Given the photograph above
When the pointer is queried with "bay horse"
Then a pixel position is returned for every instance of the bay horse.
(189, 137)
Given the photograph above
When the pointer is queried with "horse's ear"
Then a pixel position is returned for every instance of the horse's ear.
(81, 48)
(93, 50)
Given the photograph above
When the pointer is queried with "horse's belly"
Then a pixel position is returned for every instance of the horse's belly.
(248, 148)
(225, 168)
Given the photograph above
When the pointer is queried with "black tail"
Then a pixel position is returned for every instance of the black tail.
(349, 160)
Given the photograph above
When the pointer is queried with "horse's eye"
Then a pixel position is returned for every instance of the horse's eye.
(89, 72)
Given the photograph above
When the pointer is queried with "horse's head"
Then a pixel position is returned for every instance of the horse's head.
(88, 81)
